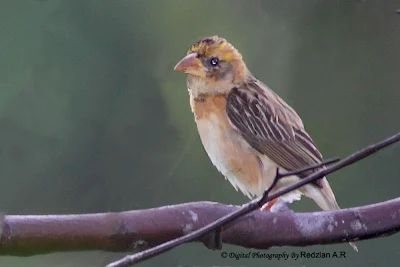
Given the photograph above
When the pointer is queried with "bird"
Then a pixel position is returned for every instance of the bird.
(247, 130)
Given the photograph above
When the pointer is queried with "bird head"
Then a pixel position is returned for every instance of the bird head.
(213, 58)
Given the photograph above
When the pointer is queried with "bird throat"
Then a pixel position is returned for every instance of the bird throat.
(200, 89)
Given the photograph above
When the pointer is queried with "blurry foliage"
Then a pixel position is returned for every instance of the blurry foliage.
(93, 118)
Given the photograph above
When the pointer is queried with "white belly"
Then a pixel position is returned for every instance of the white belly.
(234, 157)
(212, 138)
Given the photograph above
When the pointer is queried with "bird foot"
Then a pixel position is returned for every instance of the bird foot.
(268, 206)
(276, 205)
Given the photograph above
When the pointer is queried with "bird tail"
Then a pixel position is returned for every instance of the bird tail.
(325, 199)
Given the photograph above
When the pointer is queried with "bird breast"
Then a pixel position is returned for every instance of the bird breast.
(229, 152)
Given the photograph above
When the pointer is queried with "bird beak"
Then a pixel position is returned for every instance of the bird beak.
(190, 64)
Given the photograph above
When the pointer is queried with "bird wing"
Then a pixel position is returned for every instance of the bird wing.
(271, 127)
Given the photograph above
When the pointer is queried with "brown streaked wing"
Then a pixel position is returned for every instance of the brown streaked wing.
(273, 128)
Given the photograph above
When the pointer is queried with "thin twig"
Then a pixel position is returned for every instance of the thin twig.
(251, 206)
(309, 168)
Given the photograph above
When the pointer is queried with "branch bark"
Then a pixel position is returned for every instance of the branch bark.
(32, 235)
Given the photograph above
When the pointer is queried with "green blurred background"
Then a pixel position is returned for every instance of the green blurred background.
(94, 119)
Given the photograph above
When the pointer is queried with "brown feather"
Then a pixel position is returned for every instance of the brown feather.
(272, 127)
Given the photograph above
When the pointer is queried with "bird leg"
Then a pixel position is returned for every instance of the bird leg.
(267, 206)
(276, 205)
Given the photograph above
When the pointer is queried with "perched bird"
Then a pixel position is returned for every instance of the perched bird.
(247, 130)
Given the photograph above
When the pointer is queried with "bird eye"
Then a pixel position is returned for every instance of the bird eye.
(214, 61)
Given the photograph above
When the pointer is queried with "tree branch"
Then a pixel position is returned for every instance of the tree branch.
(137, 230)
(126, 231)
